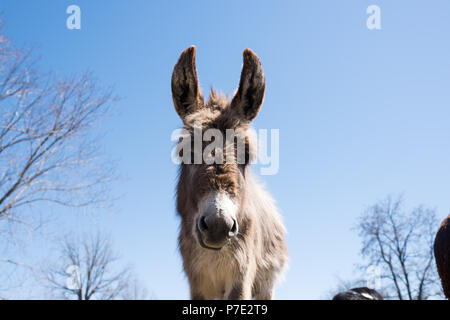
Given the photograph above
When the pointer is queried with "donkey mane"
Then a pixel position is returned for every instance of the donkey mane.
(216, 113)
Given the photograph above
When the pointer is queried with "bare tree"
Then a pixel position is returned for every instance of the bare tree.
(88, 269)
(400, 244)
(47, 153)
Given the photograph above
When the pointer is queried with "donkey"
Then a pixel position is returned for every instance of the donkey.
(231, 235)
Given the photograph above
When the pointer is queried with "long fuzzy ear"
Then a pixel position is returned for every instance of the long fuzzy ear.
(250, 94)
(185, 89)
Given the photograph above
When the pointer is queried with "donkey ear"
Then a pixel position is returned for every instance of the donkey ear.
(250, 94)
(185, 89)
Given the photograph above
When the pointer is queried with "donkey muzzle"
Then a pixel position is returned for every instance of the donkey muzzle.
(215, 230)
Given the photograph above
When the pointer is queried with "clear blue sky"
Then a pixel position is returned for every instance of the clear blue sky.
(361, 114)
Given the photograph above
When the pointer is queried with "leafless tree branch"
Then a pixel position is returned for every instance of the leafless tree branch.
(89, 269)
(401, 245)
(47, 151)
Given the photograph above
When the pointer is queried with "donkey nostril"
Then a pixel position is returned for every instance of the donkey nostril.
(233, 230)
(202, 224)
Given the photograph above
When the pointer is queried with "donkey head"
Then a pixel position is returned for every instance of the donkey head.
(210, 195)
